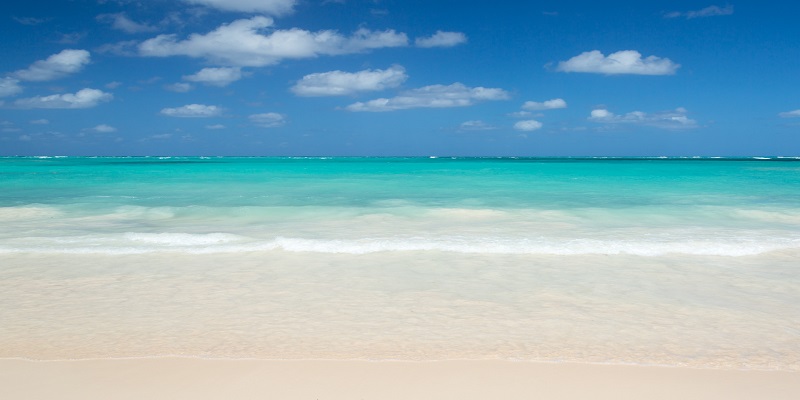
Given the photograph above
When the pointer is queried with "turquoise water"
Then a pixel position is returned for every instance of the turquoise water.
(641, 260)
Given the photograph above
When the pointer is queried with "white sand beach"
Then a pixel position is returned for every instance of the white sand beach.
(189, 378)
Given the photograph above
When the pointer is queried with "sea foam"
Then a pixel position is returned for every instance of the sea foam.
(210, 243)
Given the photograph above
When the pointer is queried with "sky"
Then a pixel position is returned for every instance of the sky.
(399, 78)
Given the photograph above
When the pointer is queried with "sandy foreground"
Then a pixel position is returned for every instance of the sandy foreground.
(185, 378)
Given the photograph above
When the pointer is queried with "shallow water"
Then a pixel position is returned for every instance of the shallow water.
(669, 262)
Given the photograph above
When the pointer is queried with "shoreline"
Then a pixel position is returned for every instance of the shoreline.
(198, 378)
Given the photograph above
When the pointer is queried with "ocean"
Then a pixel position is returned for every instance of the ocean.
(656, 261)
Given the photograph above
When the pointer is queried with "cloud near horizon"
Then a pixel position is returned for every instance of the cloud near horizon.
(192, 111)
(56, 66)
(339, 83)
(675, 119)
(84, 98)
(242, 43)
(621, 62)
(433, 96)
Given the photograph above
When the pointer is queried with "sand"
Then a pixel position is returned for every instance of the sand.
(187, 378)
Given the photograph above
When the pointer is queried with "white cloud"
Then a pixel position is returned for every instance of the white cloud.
(84, 98)
(621, 62)
(675, 119)
(271, 7)
(9, 87)
(55, 66)
(790, 114)
(242, 43)
(125, 48)
(8, 127)
(71, 38)
(30, 20)
(434, 96)
(103, 128)
(475, 125)
(215, 126)
(339, 83)
(113, 85)
(545, 105)
(121, 22)
(40, 121)
(442, 39)
(528, 125)
(710, 11)
(216, 76)
(193, 111)
(601, 114)
(179, 87)
(268, 120)
(520, 114)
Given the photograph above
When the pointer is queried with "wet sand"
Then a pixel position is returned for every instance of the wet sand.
(189, 378)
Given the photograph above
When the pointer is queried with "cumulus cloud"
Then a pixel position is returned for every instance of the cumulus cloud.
(339, 83)
(84, 98)
(434, 96)
(9, 86)
(55, 66)
(621, 62)
(790, 114)
(442, 39)
(475, 125)
(121, 22)
(193, 111)
(675, 119)
(271, 7)
(268, 120)
(103, 128)
(528, 125)
(710, 11)
(545, 105)
(216, 76)
(243, 43)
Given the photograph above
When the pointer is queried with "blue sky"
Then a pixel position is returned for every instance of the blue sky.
(391, 77)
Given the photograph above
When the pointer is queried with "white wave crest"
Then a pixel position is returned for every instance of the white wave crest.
(182, 239)
(211, 243)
